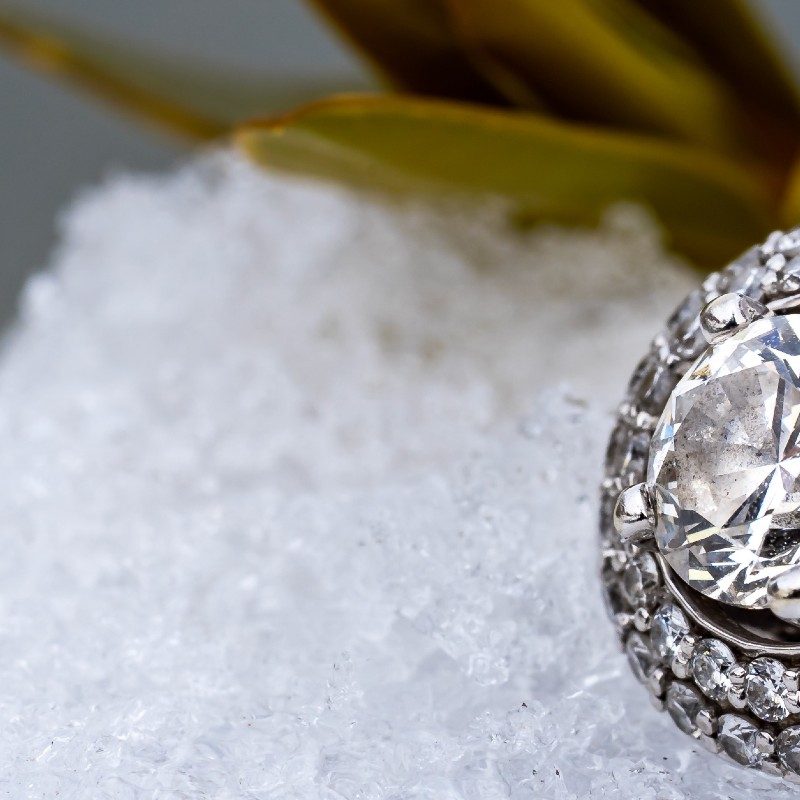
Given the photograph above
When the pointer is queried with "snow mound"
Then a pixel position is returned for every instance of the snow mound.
(295, 503)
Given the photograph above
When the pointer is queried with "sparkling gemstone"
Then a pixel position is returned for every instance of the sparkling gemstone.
(627, 453)
(640, 657)
(640, 579)
(683, 327)
(683, 702)
(787, 746)
(725, 463)
(667, 630)
(744, 275)
(651, 384)
(738, 737)
(711, 663)
(766, 695)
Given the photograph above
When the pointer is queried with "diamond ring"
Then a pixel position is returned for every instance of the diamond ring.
(700, 512)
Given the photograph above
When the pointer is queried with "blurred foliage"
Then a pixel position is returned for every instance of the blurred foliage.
(561, 107)
(199, 101)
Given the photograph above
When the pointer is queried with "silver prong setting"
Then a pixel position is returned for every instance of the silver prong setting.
(736, 694)
(642, 620)
(783, 593)
(681, 663)
(706, 722)
(729, 313)
(634, 514)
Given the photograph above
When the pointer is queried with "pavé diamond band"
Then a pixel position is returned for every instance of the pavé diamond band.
(700, 512)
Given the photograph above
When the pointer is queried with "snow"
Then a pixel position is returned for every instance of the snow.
(298, 498)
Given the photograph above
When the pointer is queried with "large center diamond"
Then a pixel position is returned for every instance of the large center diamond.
(725, 462)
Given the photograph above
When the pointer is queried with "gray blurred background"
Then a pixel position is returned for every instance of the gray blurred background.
(53, 142)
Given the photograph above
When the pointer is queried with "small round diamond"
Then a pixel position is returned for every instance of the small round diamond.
(640, 657)
(684, 329)
(683, 703)
(650, 386)
(766, 695)
(787, 746)
(738, 737)
(640, 579)
(667, 631)
(627, 453)
(710, 664)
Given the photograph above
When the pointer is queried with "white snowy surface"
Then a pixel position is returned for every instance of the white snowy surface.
(294, 504)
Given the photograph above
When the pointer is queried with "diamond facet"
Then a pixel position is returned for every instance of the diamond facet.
(764, 689)
(725, 464)
(710, 665)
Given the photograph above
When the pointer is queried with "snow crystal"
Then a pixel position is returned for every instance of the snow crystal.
(296, 503)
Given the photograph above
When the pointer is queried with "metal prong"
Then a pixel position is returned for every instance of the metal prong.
(737, 675)
(729, 313)
(634, 516)
(783, 593)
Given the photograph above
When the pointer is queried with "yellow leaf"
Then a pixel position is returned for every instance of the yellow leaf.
(607, 62)
(790, 207)
(732, 40)
(709, 207)
(411, 43)
(197, 100)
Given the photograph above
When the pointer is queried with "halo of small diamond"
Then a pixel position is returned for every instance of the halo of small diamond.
(745, 705)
